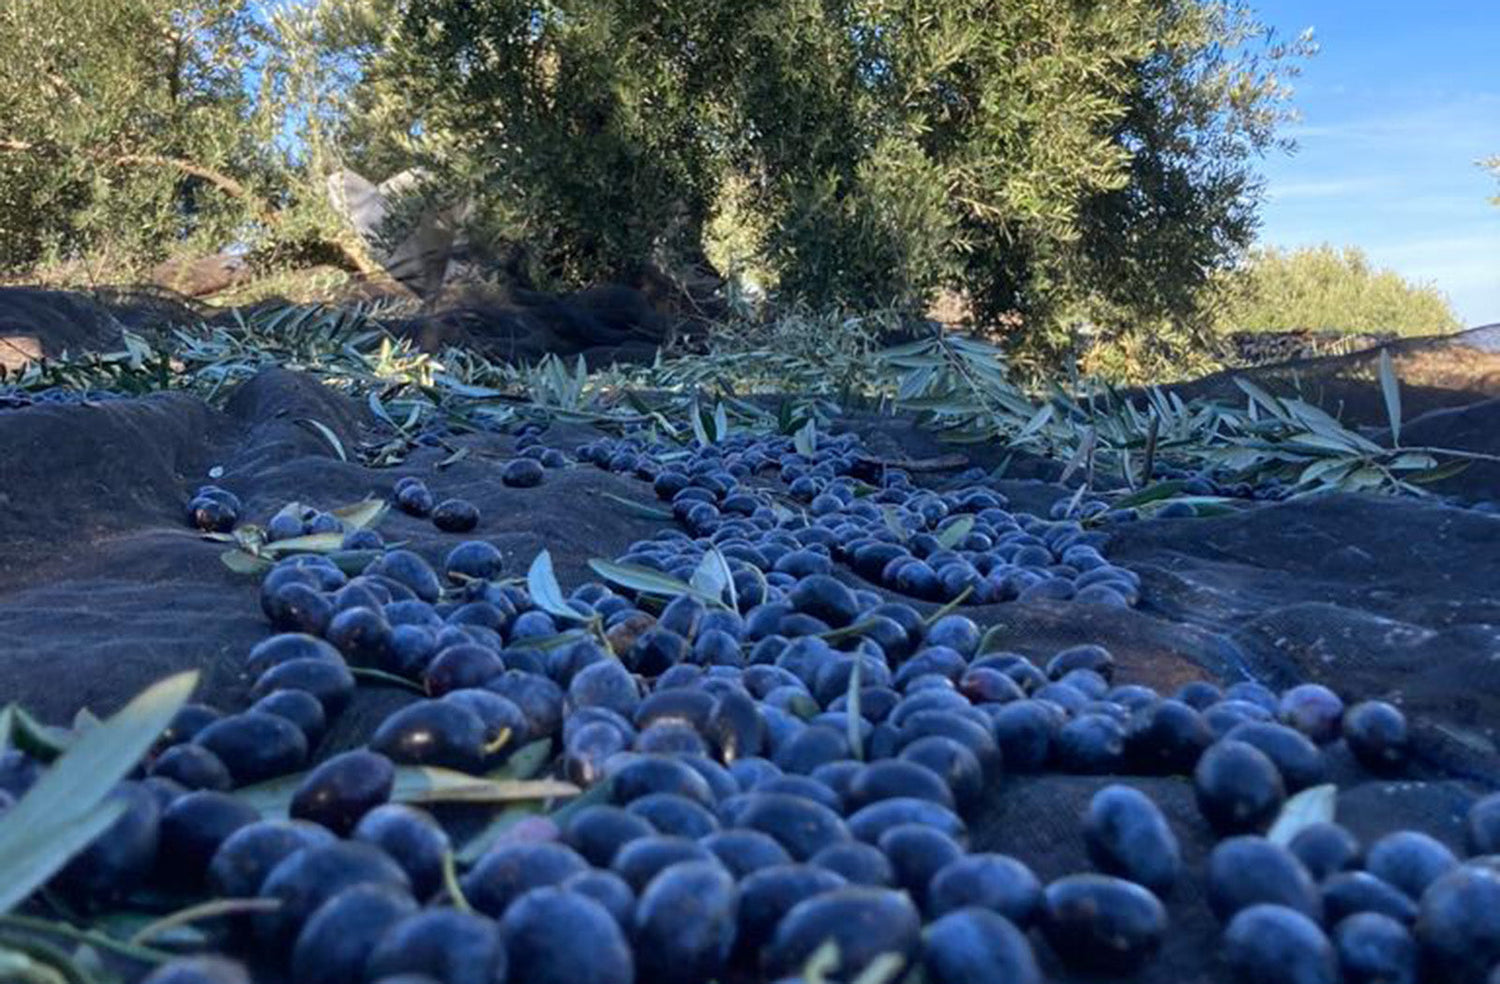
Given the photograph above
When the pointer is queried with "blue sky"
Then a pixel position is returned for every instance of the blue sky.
(1398, 104)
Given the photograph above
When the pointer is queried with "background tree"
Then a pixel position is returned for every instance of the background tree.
(1328, 289)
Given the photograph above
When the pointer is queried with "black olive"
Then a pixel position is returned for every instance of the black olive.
(242, 862)
(609, 890)
(1026, 731)
(800, 825)
(1084, 657)
(1238, 788)
(523, 473)
(255, 746)
(989, 881)
(459, 667)
(194, 766)
(685, 923)
(825, 598)
(809, 787)
(872, 821)
(552, 936)
(362, 635)
(1127, 836)
(976, 946)
(1101, 924)
(299, 707)
(1458, 925)
(736, 726)
(1271, 944)
(863, 923)
(858, 863)
(414, 499)
(1410, 860)
(917, 853)
(343, 789)
(1166, 738)
(1314, 710)
(1325, 849)
(744, 851)
(673, 814)
(509, 870)
(212, 515)
(1482, 826)
(331, 683)
(1246, 871)
(642, 858)
(1376, 733)
(193, 829)
(589, 748)
(444, 945)
(306, 879)
(432, 732)
(412, 838)
(1090, 744)
(455, 516)
(1349, 892)
(1299, 761)
(334, 946)
(1375, 949)
(954, 764)
(198, 970)
(277, 649)
(896, 777)
(474, 559)
(649, 774)
(408, 569)
(296, 607)
(120, 859)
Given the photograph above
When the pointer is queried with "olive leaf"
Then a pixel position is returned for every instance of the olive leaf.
(952, 534)
(637, 508)
(327, 434)
(645, 580)
(1391, 389)
(546, 593)
(415, 784)
(806, 440)
(361, 515)
(67, 808)
(1316, 804)
(713, 577)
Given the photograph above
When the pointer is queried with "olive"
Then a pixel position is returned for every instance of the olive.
(917, 853)
(673, 814)
(507, 871)
(539, 699)
(641, 859)
(1246, 871)
(455, 516)
(432, 732)
(475, 560)
(767, 895)
(193, 829)
(649, 774)
(1482, 826)
(444, 945)
(331, 683)
(505, 727)
(1254, 693)
(273, 651)
(1312, 709)
(334, 946)
(976, 946)
(1199, 694)
(343, 789)
(362, 635)
(299, 707)
(1091, 744)
(956, 632)
(1325, 849)
(1166, 737)
(412, 648)
(194, 766)
(863, 923)
(588, 750)
(552, 936)
(800, 825)
(983, 685)
(858, 863)
(244, 859)
(296, 607)
(1375, 949)
(305, 879)
(736, 726)
(255, 746)
(1127, 836)
(953, 763)
(1084, 657)
(744, 851)
(408, 569)
(869, 823)
(414, 499)
(605, 684)
(682, 616)
(522, 473)
(120, 859)
(1025, 732)
(685, 923)
(1458, 925)
(1349, 892)
(362, 539)
(212, 515)
(1271, 944)
(1238, 788)
(895, 777)
(412, 838)
(609, 890)
(1299, 761)
(1376, 733)
(970, 733)
(1102, 924)
(1410, 860)
(198, 970)
(460, 667)
(987, 881)
(825, 598)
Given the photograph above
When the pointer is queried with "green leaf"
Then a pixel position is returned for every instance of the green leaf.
(66, 809)
(721, 423)
(415, 784)
(1316, 804)
(806, 440)
(1161, 490)
(851, 712)
(639, 509)
(242, 562)
(361, 515)
(1392, 392)
(713, 577)
(1438, 474)
(525, 762)
(546, 593)
(312, 543)
(325, 432)
(647, 581)
(952, 534)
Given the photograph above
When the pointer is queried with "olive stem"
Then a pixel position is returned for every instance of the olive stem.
(451, 886)
(35, 925)
(203, 910)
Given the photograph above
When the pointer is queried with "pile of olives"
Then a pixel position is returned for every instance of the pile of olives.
(795, 768)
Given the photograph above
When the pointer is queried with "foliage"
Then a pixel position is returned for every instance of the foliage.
(1328, 289)
(1045, 156)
